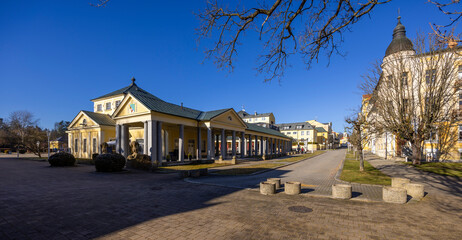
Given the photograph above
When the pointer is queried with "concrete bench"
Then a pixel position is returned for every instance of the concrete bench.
(267, 188)
(292, 188)
(341, 191)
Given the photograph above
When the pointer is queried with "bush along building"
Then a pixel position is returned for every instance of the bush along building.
(166, 131)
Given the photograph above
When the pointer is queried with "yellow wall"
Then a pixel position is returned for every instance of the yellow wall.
(103, 101)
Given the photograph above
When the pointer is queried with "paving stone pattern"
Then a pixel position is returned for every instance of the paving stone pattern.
(40, 202)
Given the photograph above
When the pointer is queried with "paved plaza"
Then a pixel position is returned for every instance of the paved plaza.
(40, 202)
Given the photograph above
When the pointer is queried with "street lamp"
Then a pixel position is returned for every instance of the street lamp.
(48, 136)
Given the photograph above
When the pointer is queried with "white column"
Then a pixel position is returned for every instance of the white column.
(262, 145)
(159, 142)
(152, 140)
(223, 144)
(181, 144)
(233, 143)
(209, 143)
(69, 142)
(243, 145)
(118, 138)
(124, 143)
(199, 145)
(250, 145)
(146, 138)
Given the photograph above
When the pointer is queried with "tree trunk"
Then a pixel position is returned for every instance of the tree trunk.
(416, 153)
(361, 161)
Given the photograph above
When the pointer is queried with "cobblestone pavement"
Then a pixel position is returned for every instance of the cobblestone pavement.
(40, 202)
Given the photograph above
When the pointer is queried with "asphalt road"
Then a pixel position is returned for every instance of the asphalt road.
(314, 172)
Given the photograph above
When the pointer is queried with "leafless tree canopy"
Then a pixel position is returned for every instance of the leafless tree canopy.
(446, 33)
(416, 96)
(285, 27)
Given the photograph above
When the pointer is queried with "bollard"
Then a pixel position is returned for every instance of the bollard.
(292, 188)
(194, 173)
(341, 191)
(267, 188)
(233, 160)
(415, 190)
(394, 195)
(277, 181)
(399, 182)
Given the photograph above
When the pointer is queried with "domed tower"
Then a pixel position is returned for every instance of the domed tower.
(400, 42)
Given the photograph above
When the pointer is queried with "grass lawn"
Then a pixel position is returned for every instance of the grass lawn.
(371, 175)
(301, 157)
(193, 166)
(442, 168)
(249, 169)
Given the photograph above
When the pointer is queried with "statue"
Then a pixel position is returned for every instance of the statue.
(141, 161)
(104, 148)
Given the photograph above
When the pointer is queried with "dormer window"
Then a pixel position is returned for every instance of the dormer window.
(299, 126)
(117, 103)
(99, 108)
(108, 106)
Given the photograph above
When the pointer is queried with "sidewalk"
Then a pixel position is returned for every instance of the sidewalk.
(434, 183)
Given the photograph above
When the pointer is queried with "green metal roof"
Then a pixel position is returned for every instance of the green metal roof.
(256, 128)
(320, 129)
(100, 119)
(211, 114)
(130, 89)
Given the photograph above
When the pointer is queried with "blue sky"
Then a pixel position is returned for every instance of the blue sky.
(57, 55)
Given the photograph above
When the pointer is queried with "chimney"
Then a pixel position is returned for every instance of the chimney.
(181, 106)
(255, 113)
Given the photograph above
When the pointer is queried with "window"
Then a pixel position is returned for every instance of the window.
(76, 145)
(460, 132)
(303, 132)
(84, 122)
(404, 78)
(285, 127)
(117, 103)
(460, 72)
(263, 118)
(430, 76)
(94, 145)
(108, 106)
(99, 108)
(84, 147)
(294, 133)
(299, 127)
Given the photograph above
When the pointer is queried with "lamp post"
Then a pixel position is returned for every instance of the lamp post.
(48, 136)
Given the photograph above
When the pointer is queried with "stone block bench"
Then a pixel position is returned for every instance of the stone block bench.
(292, 188)
(267, 188)
(341, 191)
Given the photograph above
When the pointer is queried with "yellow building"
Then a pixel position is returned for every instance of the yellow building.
(303, 134)
(322, 138)
(401, 64)
(166, 131)
(328, 137)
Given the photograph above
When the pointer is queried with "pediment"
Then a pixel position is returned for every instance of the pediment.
(130, 106)
(229, 118)
(82, 120)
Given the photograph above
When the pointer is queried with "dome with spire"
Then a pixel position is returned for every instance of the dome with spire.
(400, 42)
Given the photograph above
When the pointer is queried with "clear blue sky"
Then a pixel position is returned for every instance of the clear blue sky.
(57, 55)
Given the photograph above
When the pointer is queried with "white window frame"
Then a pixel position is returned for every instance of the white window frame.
(108, 104)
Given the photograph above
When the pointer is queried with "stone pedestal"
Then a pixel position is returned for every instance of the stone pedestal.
(233, 160)
(292, 188)
(399, 182)
(276, 181)
(415, 190)
(341, 191)
(394, 195)
(267, 188)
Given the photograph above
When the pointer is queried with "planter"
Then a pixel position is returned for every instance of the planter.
(292, 188)
(394, 195)
(276, 181)
(341, 191)
(267, 188)
(399, 182)
(415, 190)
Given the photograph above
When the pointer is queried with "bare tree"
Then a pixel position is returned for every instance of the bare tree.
(358, 137)
(286, 27)
(416, 96)
(446, 32)
(19, 122)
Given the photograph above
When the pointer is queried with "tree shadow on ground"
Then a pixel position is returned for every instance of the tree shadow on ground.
(80, 203)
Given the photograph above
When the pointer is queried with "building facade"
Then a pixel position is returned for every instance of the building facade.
(166, 131)
(303, 134)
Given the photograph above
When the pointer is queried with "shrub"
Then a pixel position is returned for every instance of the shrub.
(61, 159)
(109, 162)
(141, 162)
(93, 157)
(22, 151)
